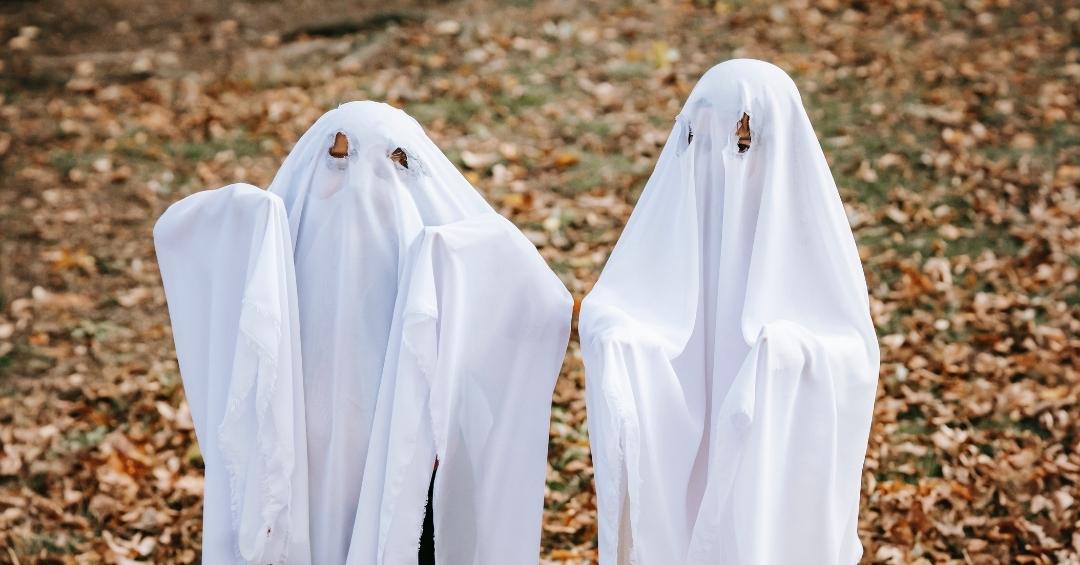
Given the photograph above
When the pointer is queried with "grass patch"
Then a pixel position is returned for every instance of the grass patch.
(78, 441)
(1001, 243)
(48, 544)
(64, 161)
(533, 96)
(593, 170)
(457, 111)
(241, 145)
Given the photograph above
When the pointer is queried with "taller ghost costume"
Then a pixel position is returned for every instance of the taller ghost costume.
(730, 356)
(431, 330)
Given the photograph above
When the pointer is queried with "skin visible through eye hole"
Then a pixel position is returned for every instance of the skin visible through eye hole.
(400, 157)
(341, 146)
(743, 131)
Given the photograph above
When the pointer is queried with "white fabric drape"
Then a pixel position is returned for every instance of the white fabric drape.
(226, 264)
(484, 325)
(730, 356)
(431, 328)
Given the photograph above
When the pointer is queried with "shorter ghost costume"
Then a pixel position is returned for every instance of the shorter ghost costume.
(226, 263)
(730, 357)
(432, 330)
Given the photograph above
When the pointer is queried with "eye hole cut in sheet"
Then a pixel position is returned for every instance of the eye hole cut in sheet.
(340, 150)
(400, 157)
(742, 131)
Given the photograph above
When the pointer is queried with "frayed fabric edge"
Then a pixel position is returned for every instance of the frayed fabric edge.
(425, 365)
(622, 451)
(266, 364)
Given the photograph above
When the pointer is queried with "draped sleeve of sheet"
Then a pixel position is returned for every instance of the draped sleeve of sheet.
(730, 357)
(484, 328)
(226, 263)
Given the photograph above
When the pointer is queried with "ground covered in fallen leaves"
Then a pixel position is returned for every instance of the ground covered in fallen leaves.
(951, 127)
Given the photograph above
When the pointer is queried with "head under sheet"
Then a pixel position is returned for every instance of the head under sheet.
(730, 354)
(389, 159)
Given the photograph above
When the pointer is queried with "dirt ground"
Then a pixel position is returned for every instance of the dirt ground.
(951, 128)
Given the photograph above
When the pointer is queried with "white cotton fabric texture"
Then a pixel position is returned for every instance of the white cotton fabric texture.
(226, 264)
(432, 329)
(730, 356)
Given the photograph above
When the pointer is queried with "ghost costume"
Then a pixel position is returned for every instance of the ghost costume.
(226, 263)
(432, 330)
(730, 356)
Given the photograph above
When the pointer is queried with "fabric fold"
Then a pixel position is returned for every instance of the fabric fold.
(496, 374)
(484, 377)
